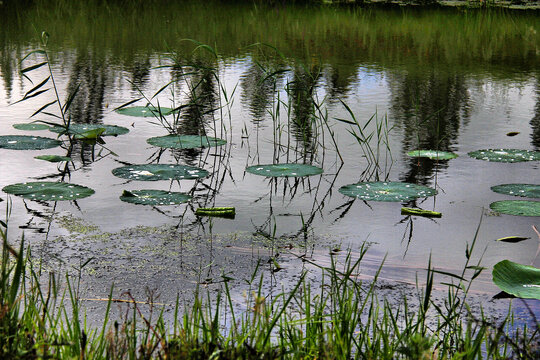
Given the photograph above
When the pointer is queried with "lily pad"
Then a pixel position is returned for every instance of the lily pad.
(185, 141)
(24, 142)
(289, 170)
(433, 154)
(47, 191)
(520, 280)
(145, 111)
(153, 172)
(52, 158)
(522, 190)
(505, 155)
(30, 126)
(80, 129)
(387, 191)
(154, 197)
(517, 207)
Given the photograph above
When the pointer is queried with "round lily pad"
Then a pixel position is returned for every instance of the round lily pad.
(154, 197)
(153, 172)
(185, 141)
(47, 191)
(517, 207)
(519, 280)
(433, 154)
(110, 130)
(290, 170)
(145, 111)
(52, 158)
(505, 155)
(24, 142)
(522, 190)
(30, 126)
(387, 191)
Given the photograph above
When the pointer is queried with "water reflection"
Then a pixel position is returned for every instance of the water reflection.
(535, 121)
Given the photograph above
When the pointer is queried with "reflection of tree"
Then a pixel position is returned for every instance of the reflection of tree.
(429, 108)
(6, 69)
(338, 80)
(535, 121)
(259, 89)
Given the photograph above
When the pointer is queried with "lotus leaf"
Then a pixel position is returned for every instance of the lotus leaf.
(153, 172)
(517, 207)
(154, 197)
(433, 154)
(522, 190)
(23, 142)
(519, 280)
(30, 126)
(387, 191)
(290, 170)
(185, 141)
(81, 129)
(47, 191)
(145, 111)
(52, 158)
(505, 155)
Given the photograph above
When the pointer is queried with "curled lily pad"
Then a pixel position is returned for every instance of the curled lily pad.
(30, 126)
(145, 111)
(24, 142)
(519, 280)
(387, 191)
(81, 129)
(47, 191)
(517, 207)
(433, 154)
(522, 190)
(290, 170)
(185, 141)
(153, 172)
(52, 158)
(154, 197)
(505, 155)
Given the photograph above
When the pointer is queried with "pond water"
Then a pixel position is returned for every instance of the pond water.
(430, 79)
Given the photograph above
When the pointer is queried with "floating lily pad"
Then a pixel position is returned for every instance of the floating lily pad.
(522, 190)
(433, 154)
(52, 158)
(154, 197)
(30, 126)
(185, 141)
(387, 191)
(145, 111)
(505, 155)
(79, 129)
(153, 172)
(290, 170)
(47, 191)
(520, 280)
(517, 207)
(24, 142)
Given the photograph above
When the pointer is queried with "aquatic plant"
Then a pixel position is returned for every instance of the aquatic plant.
(522, 190)
(145, 111)
(522, 281)
(505, 155)
(154, 197)
(33, 126)
(25, 142)
(433, 154)
(387, 191)
(52, 158)
(516, 207)
(174, 141)
(48, 191)
(153, 172)
(81, 129)
(285, 170)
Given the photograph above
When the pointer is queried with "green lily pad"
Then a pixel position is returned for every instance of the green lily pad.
(24, 142)
(81, 129)
(519, 280)
(185, 141)
(387, 191)
(505, 155)
(52, 158)
(517, 207)
(145, 111)
(290, 170)
(47, 191)
(154, 197)
(433, 154)
(522, 190)
(30, 126)
(153, 172)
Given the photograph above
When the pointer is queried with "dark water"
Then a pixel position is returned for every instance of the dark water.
(455, 81)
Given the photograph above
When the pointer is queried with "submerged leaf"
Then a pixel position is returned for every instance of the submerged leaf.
(23, 142)
(517, 207)
(387, 191)
(520, 280)
(30, 126)
(512, 133)
(512, 239)
(145, 111)
(91, 130)
(505, 155)
(46, 191)
(433, 154)
(420, 212)
(153, 172)
(52, 158)
(226, 212)
(287, 170)
(185, 141)
(154, 197)
(522, 190)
